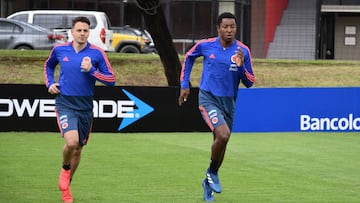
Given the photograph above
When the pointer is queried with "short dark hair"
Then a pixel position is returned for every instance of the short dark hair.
(80, 19)
(225, 15)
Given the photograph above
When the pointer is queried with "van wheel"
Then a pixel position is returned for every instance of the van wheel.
(129, 49)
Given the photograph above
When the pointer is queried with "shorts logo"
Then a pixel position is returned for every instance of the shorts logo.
(213, 116)
(214, 120)
(64, 125)
(64, 122)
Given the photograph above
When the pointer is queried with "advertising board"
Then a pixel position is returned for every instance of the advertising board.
(155, 109)
(297, 109)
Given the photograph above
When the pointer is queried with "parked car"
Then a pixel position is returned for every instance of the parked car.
(127, 40)
(131, 40)
(61, 21)
(149, 46)
(16, 34)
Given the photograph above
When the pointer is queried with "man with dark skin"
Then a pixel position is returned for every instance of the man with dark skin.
(226, 63)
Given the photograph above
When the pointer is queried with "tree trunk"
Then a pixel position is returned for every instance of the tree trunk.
(156, 25)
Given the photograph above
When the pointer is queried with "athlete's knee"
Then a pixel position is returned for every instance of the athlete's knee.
(223, 138)
(222, 134)
(72, 139)
(77, 151)
(72, 144)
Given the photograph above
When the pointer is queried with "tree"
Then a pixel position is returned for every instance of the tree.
(156, 25)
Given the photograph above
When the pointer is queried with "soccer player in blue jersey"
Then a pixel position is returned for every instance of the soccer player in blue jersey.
(81, 65)
(226, 63)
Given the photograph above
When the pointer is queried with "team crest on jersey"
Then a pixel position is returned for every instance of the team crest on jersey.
(233, 58)
(233, 66)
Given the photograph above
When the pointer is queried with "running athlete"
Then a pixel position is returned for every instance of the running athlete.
(81, 65)
(226, 63)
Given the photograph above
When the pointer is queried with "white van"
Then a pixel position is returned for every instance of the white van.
(61, 21)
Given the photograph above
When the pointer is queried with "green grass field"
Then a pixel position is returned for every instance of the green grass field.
(26, 67)
(169, 167)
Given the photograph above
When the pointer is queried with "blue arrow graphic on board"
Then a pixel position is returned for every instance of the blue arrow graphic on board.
(142, 110)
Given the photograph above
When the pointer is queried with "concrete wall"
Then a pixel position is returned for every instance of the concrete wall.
(350, 51)
(258, 29)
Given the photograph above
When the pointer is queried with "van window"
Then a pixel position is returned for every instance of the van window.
(106, 21)
(60, 21)
(49, 21)
(69, 18)
(22, 17)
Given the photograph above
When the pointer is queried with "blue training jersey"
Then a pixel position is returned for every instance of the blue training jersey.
(74, 82)
(220, 75)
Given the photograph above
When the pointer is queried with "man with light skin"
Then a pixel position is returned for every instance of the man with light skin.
(226, 64)
(81, 65)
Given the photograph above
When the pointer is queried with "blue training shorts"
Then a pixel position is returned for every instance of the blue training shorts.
(75, 120)
(216, 110)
